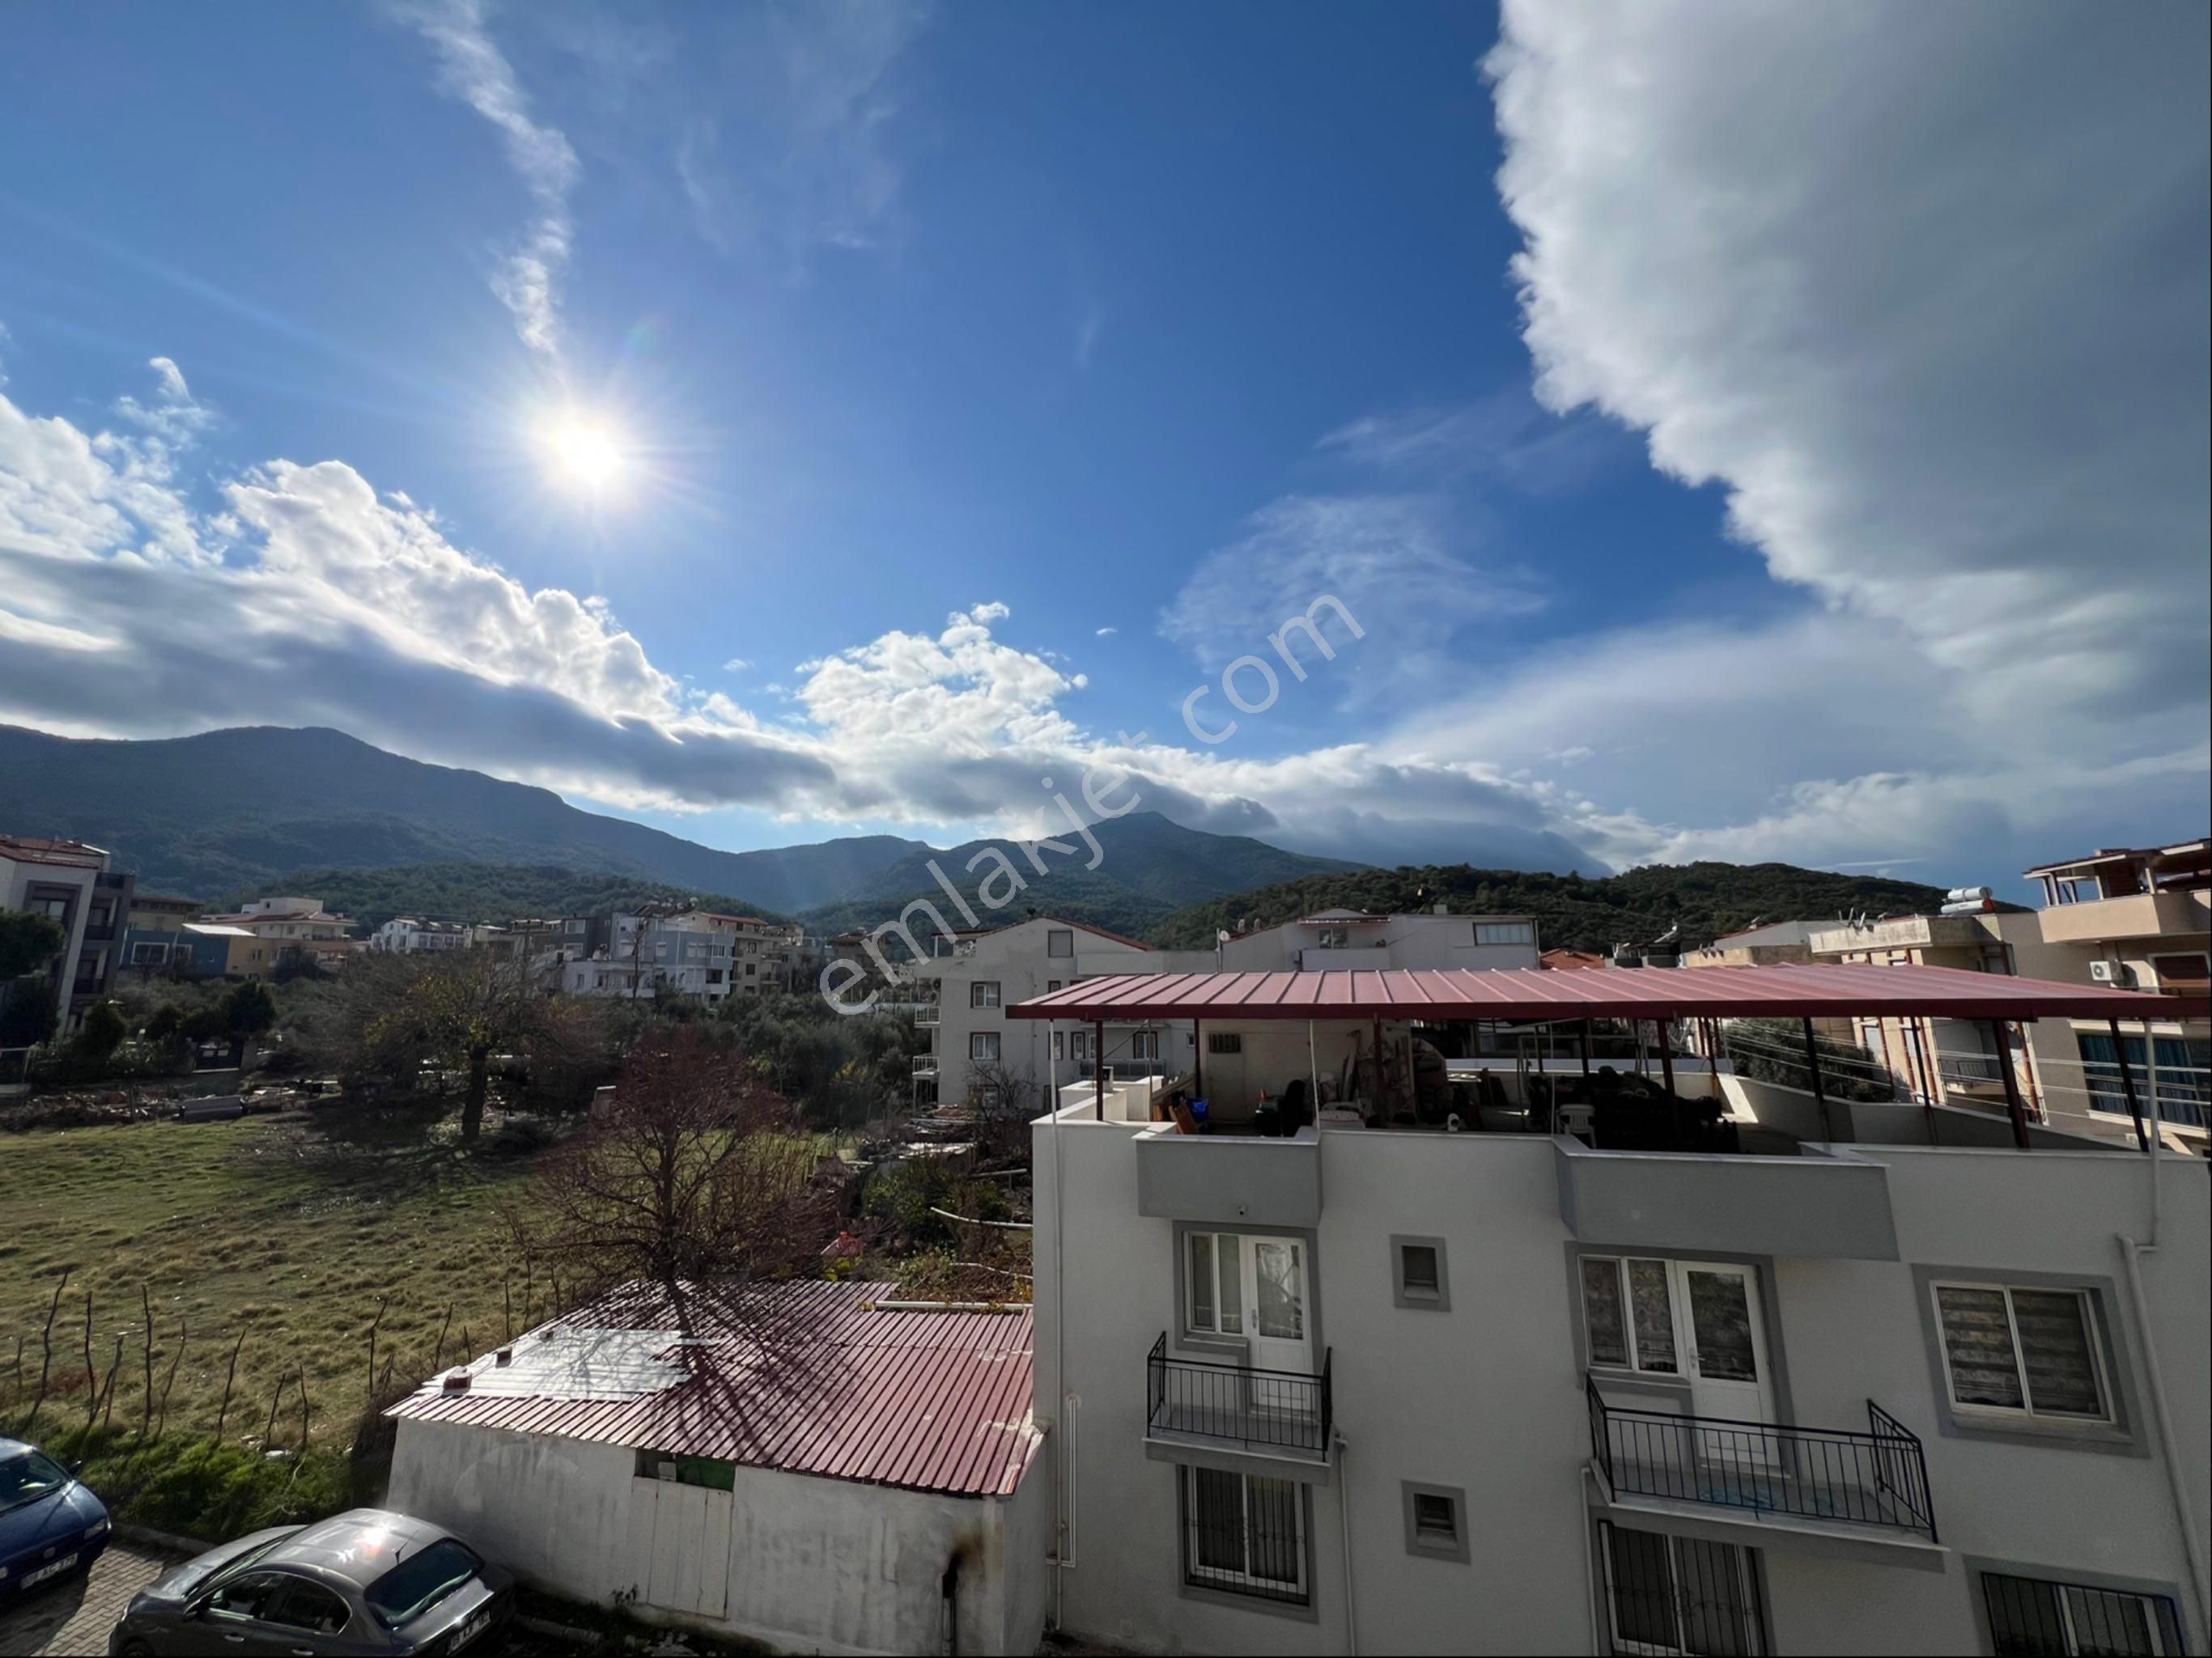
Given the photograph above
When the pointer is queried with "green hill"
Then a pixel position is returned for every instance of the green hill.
(1148, 865)
(1571, 912)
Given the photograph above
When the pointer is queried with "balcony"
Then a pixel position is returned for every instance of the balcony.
(2132, 915)
(1831, 1480)
(924, 1064)
(1809, 1207)
(929, 1013)
(1271, 1413)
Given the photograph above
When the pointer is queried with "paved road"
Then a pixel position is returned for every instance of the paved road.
(76, 1616)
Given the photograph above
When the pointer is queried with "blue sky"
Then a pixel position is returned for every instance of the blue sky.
(1808, 465)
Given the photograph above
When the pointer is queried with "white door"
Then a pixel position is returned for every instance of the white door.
(688, 1568)
(1722, 1340)
(1281, 1338)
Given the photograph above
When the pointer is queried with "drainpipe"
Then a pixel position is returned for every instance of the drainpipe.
(1344, 1526)
(2131, 1253)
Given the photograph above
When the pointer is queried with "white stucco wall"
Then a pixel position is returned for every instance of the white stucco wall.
(1488, 1397)
(814, 1565)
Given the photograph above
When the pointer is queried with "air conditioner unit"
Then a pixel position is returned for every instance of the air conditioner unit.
(2112, 973)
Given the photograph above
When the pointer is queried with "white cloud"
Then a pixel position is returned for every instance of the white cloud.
(471, 68)
(736, 664)
(798, 155)
(1399, 563)
(1943, 344)
(1108, 633)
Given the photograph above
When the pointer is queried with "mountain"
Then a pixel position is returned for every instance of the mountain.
(263, 809)
(1571, 912)
(233, 810)
(1148, 865)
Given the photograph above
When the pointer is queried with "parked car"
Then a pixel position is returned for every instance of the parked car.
(50, 1525)
(366, 1583)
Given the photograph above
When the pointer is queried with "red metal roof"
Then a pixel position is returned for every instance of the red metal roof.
(816, 1380)
(1795, 991)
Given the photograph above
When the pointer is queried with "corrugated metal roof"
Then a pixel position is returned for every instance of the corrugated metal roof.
(1815, 991)
(813, 1378)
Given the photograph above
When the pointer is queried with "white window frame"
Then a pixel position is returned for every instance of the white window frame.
(1214, 1329)
(2092, 1333)
(983, 993)
(1504, 933)
(978, 1040)
(1287, 1592)
(1635, 1361)
(1054, 937)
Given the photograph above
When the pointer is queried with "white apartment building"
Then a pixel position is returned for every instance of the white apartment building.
(405, 936)
(976, 975)
(1368, 1390)
(763, 955)
(973, 978)
(71, 883)
(1352, 939)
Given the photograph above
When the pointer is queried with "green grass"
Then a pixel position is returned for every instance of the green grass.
(285, 1230)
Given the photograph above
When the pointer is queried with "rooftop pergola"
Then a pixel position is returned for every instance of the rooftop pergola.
(1459, 995)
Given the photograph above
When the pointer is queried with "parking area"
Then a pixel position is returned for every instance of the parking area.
(76, 1616)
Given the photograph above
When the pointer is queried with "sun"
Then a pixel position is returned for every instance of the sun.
(585, 454)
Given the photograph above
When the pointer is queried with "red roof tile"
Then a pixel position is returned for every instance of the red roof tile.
(1456, 993)
(817, 1379)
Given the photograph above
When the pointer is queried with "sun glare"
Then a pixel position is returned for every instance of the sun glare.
(585, 454)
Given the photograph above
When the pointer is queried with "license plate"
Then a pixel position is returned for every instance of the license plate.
(51, 1569)
(477, 1625)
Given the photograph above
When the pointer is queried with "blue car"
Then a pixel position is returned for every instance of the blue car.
(50, 1525)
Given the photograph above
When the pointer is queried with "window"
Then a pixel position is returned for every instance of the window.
(420, 1582)
(1224, 1042)
(1059, 941)
(302, 1605)
(2029, 1615)
(1051, 985)
(1215, 1284)
(2021, 1352)
(1144, 1044)
(710, 1472)
(1334, 938)
(1416, 1270)
(1668, 1594)
(1505, 932)
(252, 1595)
(983, 1046)
(2182, 1079)
(984, 993)
(1244, 1534)
(1436, 1520)
(2079, 889)
(1629, 1315)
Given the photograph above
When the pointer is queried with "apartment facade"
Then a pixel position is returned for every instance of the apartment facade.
(2141, 919)
(403, 935)
(71, 884)
(1392, 1390)
(1354, 939)
(974, 977)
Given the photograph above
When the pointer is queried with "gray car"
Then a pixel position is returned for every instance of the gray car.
(362, 1584)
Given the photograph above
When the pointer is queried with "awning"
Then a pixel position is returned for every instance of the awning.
(1790, 992)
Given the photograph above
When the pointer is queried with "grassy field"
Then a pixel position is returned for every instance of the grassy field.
(286, 1229)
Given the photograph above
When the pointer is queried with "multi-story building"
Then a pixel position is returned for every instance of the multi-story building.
(153, 936)
(974, 975)
(1353, 938)
(402, 935)
(292, 928)
(763, 955)
(71, 884)
(2139, 918)
(1960, 1060)
(1872, 1380)
(1768, 944)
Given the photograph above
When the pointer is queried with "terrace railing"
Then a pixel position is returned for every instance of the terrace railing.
(1875, 1479)
(1280, 1413)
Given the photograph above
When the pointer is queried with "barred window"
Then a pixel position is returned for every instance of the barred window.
(1682, 1594)
(2031, 1353)
(2031, 1616)
(1245, 1534)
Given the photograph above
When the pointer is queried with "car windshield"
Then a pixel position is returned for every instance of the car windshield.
(413, 1586)
(28, 1478)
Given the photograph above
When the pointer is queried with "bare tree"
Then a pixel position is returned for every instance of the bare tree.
(1005, 1101)
(696, 1181)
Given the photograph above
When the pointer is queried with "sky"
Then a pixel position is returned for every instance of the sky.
(1674, 431)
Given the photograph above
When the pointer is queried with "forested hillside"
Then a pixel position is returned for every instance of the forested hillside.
(1572, 912)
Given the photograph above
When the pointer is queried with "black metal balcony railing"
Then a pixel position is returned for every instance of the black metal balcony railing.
(1287, 1412)
(1879, 1478)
